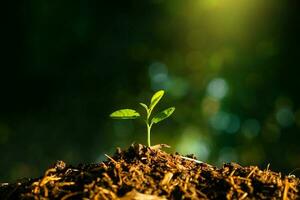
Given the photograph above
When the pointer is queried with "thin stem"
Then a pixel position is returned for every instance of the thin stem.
(148, 128)
(148, 132)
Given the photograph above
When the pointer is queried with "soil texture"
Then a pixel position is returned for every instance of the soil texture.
(143, 173)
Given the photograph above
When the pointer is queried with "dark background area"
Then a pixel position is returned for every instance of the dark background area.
(231, 69)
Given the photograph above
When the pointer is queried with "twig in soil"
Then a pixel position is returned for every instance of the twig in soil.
(243, 196)
(286, 189)
(232, 173)
(160, 146)
(268, 166)
(191, 159)
(167, 178)
(110, 158)
(253, 170)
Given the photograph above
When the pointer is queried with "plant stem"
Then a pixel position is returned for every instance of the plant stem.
(148, 132)
(148, 127)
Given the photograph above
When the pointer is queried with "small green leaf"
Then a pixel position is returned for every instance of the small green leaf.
(163, 115)
(144, 106)
(156, 98)
(125, 114)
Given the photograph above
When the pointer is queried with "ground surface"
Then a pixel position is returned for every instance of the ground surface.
(143, 173)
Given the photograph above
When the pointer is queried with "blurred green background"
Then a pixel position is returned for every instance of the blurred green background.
(230, 67)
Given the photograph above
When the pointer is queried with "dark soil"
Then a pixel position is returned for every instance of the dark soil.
(152, 174)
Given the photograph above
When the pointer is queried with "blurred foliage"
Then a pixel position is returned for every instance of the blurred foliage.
(231, 68)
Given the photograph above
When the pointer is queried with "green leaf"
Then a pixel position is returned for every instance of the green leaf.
(125, 114)
(156, 98)
(163, 115)
(144, 106)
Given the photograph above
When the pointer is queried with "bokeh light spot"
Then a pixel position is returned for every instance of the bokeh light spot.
(220, 121)
(217, 88)
(223, 121)
(210, 106)
(158, 73)
(157, 68)
(177, 87)
(285, 116)
(193, 142)
(233, 125)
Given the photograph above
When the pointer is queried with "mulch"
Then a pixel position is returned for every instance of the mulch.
(143, 173)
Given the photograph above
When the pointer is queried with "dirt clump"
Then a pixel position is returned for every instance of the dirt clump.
(147, 173)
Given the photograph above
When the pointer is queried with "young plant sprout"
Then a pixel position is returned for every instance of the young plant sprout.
(149, 121)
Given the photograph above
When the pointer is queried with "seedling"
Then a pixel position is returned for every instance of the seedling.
(149, 121)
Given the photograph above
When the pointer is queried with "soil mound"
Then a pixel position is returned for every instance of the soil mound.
(144, 173)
